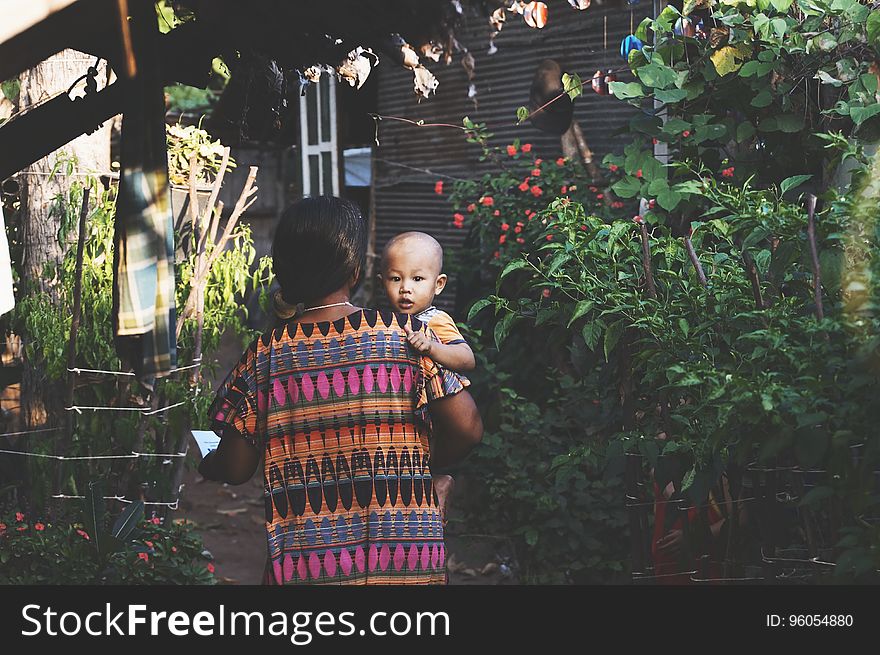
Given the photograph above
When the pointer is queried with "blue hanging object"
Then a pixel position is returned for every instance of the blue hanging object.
(632, 2)
(629, 44)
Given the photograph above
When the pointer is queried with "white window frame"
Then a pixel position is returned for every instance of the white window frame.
(321, 147)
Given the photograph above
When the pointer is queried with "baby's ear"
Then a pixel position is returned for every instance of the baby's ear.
(440, 284)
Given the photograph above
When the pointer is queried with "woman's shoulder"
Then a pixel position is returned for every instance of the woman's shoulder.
(363, 320)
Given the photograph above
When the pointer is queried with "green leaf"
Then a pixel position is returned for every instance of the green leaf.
(656, 75)
(666, 19)
(688, 480)
(478, 307)
(860, 114)
(513, 265)
(591, 333)
(710, 132)
(762, 99)
(579, 310)
(744, 132)
(684, 327)
(128, 520)
(781, 6)
(668, 199)
(625, 90)
(792, 182)
(531, 536)
(825, 42)
(612, 336)
(627, 187)
(522, 113)
(779, 26)
(729, 58)
(502, 329)
(641, 32)
(572, 85)
(11, 89)
(872, 27)
(671, 95)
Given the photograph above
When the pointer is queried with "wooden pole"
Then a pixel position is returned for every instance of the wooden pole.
(74, 331)
(814, 256)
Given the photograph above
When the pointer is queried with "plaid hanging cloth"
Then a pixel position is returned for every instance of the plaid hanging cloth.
(145, 314)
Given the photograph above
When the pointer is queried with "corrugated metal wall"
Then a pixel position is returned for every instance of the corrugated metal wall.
(405, 198)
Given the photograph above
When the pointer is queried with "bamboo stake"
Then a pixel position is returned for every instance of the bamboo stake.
(814, 256)
(646, 250)
(74, 330)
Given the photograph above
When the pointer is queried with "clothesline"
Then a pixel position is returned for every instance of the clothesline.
(196, 362)
(146, 411)
(670, 502)
(121, 499)
(64, 458)
(16, 434)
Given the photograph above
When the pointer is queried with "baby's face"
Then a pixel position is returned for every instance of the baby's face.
(411, 277)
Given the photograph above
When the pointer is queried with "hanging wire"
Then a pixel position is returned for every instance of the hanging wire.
(196, 362)
(16, 434)
(64, 458)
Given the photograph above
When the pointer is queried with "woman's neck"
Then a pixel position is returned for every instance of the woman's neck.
(338, 311)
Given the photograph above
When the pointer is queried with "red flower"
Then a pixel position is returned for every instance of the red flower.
(593, 189)
(599, 196)
(458, 217)
(39, 527)
(487, 201)
(639, 173)
(536, 172)
(2, 528)
(517, 229)
(21, 528)
(617, 204)
(210, 567)
(438, 187)
(560, 161)
(652, 203)
(496, 254)
(524, 186)
(83, 534)
(497, 212)
(727, 172)
(19, 516)
(149, 544)
(686, 134)
(638, 219)
(539, 161)
(511, 150)
(156, 520)
(549, 237)
(563, 189)
(520, 240)
(502, 238)
(527, 147)
(471, 208)
(654, 141)
(505, 227)
(537, 191)
(612, 168)
(144, 557)
(546, 293)
(174, 549)
(458, 220)
(583, 228)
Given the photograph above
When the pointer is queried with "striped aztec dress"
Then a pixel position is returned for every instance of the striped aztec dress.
(335, 410)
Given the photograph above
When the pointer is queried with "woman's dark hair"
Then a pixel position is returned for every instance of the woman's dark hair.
(319, 244)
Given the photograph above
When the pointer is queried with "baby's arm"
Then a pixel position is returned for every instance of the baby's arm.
(455, 356)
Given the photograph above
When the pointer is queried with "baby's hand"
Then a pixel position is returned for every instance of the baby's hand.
(418, 340)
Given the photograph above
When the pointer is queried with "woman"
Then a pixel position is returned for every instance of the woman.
(329, 398)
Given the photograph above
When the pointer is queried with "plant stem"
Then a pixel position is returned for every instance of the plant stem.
(695, 261)
(814, 256)
(646, 261)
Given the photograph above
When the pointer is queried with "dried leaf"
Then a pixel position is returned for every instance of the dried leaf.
(232, 512)
(432, 51)
(469, 65)
(496, 20)
(730, 58)
(410, 58)
(718, 36)
(489, 569)
(424, 82)
(312, 74)
(357, 66)
(469, 573)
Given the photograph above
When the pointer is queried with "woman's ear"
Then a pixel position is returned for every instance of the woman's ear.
(440, 284)
(355, 278)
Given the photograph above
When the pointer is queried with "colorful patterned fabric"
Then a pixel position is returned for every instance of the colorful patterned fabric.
(145, 315)
(348, 490)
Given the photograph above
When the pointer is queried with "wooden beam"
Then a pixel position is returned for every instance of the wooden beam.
(46, 128)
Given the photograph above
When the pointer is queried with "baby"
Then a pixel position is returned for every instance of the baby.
(411, 272)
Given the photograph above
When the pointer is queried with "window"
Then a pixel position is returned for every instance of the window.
(317, 129)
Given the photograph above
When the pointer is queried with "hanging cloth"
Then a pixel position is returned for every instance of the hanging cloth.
(143, 290)
(7, 299)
